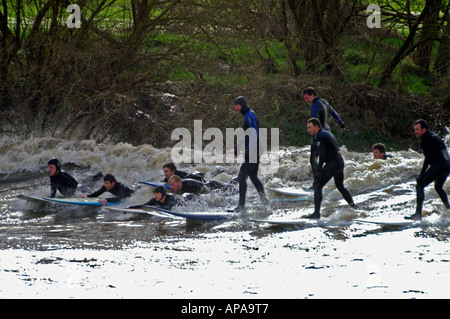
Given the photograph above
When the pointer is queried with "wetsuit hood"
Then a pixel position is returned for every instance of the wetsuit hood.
(55, 162)
(242, 101)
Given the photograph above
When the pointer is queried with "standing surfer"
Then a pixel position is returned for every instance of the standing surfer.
(436, 166)
(330, 163)
(252, 153)
(320, 109)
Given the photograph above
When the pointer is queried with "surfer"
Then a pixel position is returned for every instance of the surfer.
(320, 109)
(436, 166)
(330, 164)
(195, 187)
(60, 180)
(250, 166)
(162, 199)
(110, 184)
(170, 169)
(379, 151)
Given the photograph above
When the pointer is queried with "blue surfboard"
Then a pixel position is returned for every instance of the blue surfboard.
(155, 184)
(210, 216)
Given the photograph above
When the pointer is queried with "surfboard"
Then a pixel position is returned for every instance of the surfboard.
(295, 199)
(31, 198)
(207, 216)
(290, 191)
(310, 222)
(392, 222)
(155, 184)
(304, 194)
(298, 222)
(136, 211)
(88, 201)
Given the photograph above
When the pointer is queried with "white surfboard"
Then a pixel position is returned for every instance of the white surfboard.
(88, 201)
(310, 222)
(31, 198)
(305, 193)
(136, 211)
(208, 216)
(387, 222)
(290, 191)
(299, 221)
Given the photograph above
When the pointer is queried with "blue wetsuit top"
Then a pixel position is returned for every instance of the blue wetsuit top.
(320, 110)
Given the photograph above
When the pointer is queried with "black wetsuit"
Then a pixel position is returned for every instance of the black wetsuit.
(436, 167)
(64, 183)
(183, 175)
(119, 191)
(250, 166)
(196, 187)
(168, 202)
(331, 164)
(320, 109)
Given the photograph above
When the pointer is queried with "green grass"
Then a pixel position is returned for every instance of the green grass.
(365, 64)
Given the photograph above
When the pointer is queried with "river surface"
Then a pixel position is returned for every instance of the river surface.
(63, 251)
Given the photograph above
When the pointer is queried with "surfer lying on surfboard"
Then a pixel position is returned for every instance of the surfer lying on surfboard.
(170, 169)
(59, 180)
(110, 184)
(162, 199)
(195, 187)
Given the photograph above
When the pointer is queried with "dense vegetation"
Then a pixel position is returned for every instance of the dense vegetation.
(134, 70)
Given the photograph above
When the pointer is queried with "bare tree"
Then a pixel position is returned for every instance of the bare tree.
(423, 30)
(442, 63)
(428, 35)
(320, 25)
